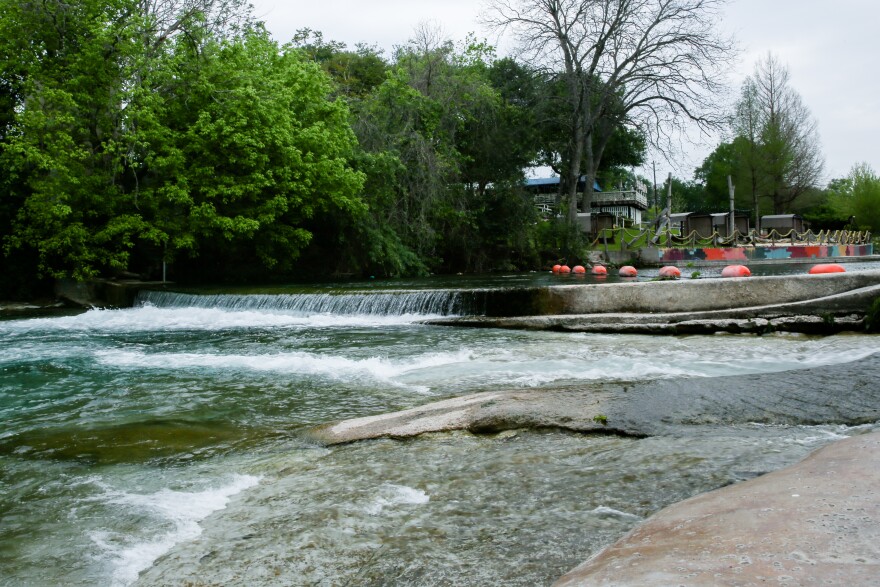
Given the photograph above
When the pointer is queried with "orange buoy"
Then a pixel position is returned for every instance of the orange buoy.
(670, 272)
(599, 270)
(736, 271)
(628, 271)
(578, 269)
(565, 269)
(827, 268)
(556, 268)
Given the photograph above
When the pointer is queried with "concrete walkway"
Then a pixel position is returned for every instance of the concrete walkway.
(814, 523)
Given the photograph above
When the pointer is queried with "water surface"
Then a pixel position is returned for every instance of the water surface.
(167, 440)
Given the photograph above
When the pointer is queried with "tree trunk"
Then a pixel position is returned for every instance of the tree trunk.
(590, 175)
(574, 170)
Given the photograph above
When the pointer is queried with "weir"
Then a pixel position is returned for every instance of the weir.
(369, 303)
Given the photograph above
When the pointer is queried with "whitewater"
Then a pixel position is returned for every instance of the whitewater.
(168, 442)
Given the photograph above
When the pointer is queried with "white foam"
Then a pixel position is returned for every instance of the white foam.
(183, 509)
(611, 512)
(151, 319)
(391, 495)
(300, 363)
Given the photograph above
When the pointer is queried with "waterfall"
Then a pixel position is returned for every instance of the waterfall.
(379, 303)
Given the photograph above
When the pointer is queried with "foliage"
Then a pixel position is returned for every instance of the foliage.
(687, 196)
(872, 316)
(644, 66)
(858, 195)
(133, 144)
(137, 134)
(778, 143)
(452, 147)
(356, 73)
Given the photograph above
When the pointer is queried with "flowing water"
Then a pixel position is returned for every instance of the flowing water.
(164, 444)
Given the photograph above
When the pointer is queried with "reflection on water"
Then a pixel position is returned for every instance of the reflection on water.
(168, 440)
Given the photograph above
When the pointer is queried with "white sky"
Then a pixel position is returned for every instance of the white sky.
(832, 50)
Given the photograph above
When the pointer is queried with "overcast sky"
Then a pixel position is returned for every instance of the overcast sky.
(832, 50)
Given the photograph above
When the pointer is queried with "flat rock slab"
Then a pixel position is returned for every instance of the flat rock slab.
(814, 523)
(835, 394)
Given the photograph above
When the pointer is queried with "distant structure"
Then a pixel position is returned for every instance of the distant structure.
(706, 224)
(625, 204)
(782, 223)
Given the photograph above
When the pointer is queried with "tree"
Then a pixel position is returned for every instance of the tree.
(653, 66)
(246, 149)
(858, 195)
(735, 159)
(780, 141)
(746, 146)
(446, 136)
(69, 61)
(356, 73)
(145, 129)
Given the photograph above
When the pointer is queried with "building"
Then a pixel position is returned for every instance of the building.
(782, 224)
(625, 205)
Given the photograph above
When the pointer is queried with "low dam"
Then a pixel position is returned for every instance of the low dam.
(795, 303)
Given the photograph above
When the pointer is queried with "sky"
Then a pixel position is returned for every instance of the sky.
(832, 51)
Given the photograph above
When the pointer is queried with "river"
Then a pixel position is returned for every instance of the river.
(164, 444)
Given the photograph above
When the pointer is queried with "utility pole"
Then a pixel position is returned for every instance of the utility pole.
(654, 201)
(731, 223)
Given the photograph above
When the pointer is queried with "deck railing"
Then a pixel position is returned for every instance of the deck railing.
(628, 197)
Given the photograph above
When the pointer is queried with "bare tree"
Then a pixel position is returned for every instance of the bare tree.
(747, 126)
(790, 159)
(166, 18)
(656, 65)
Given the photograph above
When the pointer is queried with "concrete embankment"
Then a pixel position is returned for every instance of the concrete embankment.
(821, 304)
(814, 523)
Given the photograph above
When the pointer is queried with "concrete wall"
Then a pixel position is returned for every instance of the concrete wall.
(673, 296)
(100, 293)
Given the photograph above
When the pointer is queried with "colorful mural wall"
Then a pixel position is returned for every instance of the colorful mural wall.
(756, 253)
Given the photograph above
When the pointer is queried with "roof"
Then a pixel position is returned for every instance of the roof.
(779, 217)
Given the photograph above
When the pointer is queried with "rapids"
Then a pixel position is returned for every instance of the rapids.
(164, 443)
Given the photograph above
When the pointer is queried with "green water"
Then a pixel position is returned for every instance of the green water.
(165, 442)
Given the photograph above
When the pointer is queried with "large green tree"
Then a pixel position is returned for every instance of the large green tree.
(244, 151)
(134, 131)
(446, 138)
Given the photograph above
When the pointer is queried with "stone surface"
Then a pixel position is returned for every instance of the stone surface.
(814, 523)
(835, 394)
